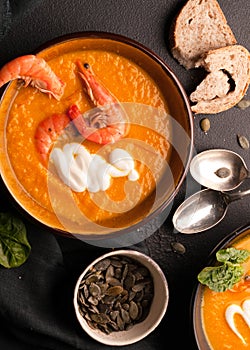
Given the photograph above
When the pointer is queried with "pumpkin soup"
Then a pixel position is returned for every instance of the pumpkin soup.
(226, 315)
(40, 186)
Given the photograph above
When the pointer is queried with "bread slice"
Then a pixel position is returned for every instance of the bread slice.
(227, 80)
(199, 27)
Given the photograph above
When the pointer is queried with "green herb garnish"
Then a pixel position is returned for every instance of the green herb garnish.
(14, 246)
(223, 277)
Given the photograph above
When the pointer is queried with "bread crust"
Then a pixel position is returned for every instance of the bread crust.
(234, 62)
(199, 27)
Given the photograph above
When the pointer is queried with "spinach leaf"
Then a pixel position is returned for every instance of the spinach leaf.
(223, 277)
(14, 245)
(235, 256)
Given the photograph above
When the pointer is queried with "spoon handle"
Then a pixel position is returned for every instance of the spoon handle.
(238, 195)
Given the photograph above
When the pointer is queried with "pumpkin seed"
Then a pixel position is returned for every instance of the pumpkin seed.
(104, 308)
(92, 300)
(113, 281)
(125, 306)
(109, 271)
(125, 316)
(108, 299)
(243, 104)
(91, 324)
(116, 262)
(118, 273)
(114, 291)
(120, 323)
(102, 264)
(94, 309)
(129, 281)
(104, 287)
(243, 141)
(100, 318)
(222, 172)
(94, 289)
(138, 287)
(139, 296)
(93, 278)
(139, 316)
(114, 314)
(178, 247)
(114, 325)
(104, 327)
(131, 295)
(205, 124)
(133, 310)
(124, 296)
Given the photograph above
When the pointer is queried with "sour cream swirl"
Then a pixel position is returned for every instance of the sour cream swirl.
(244, 311)
(81, 171)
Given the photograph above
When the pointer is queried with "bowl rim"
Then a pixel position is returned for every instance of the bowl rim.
(152, 266)
(186, 105)
(198, 289)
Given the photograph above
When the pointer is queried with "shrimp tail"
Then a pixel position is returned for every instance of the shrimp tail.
(100, 135)
(75, 115)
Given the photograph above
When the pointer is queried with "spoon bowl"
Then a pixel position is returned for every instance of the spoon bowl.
(219, 169)
(203, 210)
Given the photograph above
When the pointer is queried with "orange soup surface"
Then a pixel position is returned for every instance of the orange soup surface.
(39, 190)
(222, 336)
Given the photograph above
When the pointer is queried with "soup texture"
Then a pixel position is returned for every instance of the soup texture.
(226, 315)
(38, 187)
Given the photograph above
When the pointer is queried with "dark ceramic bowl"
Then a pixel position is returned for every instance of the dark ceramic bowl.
(222, 333)
(179, 117)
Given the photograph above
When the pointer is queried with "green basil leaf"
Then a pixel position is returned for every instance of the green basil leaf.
(221, 278)
(14, 245)
(235, 256)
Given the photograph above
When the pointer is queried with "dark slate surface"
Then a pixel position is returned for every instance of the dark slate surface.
(48, 322)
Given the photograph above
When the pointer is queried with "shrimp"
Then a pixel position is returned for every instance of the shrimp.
(48, 131)
(34, 71)
(104, 124)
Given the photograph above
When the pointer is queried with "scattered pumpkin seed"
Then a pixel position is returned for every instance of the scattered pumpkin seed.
(205, 124)
(243, 141)
(222, 172)
(243, 104)
(178, 247)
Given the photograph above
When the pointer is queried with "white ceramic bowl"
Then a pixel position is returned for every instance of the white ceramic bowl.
(156, 312)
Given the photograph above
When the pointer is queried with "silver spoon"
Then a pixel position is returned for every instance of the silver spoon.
(219, 169)
(203, 210)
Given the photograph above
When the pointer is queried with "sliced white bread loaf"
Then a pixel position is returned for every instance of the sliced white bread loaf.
(199, 27)
(227, 80)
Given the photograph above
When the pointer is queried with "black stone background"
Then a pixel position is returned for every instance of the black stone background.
(24, 26)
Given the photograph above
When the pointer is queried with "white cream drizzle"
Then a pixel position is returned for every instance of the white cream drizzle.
(82, 171)
(244, 311)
